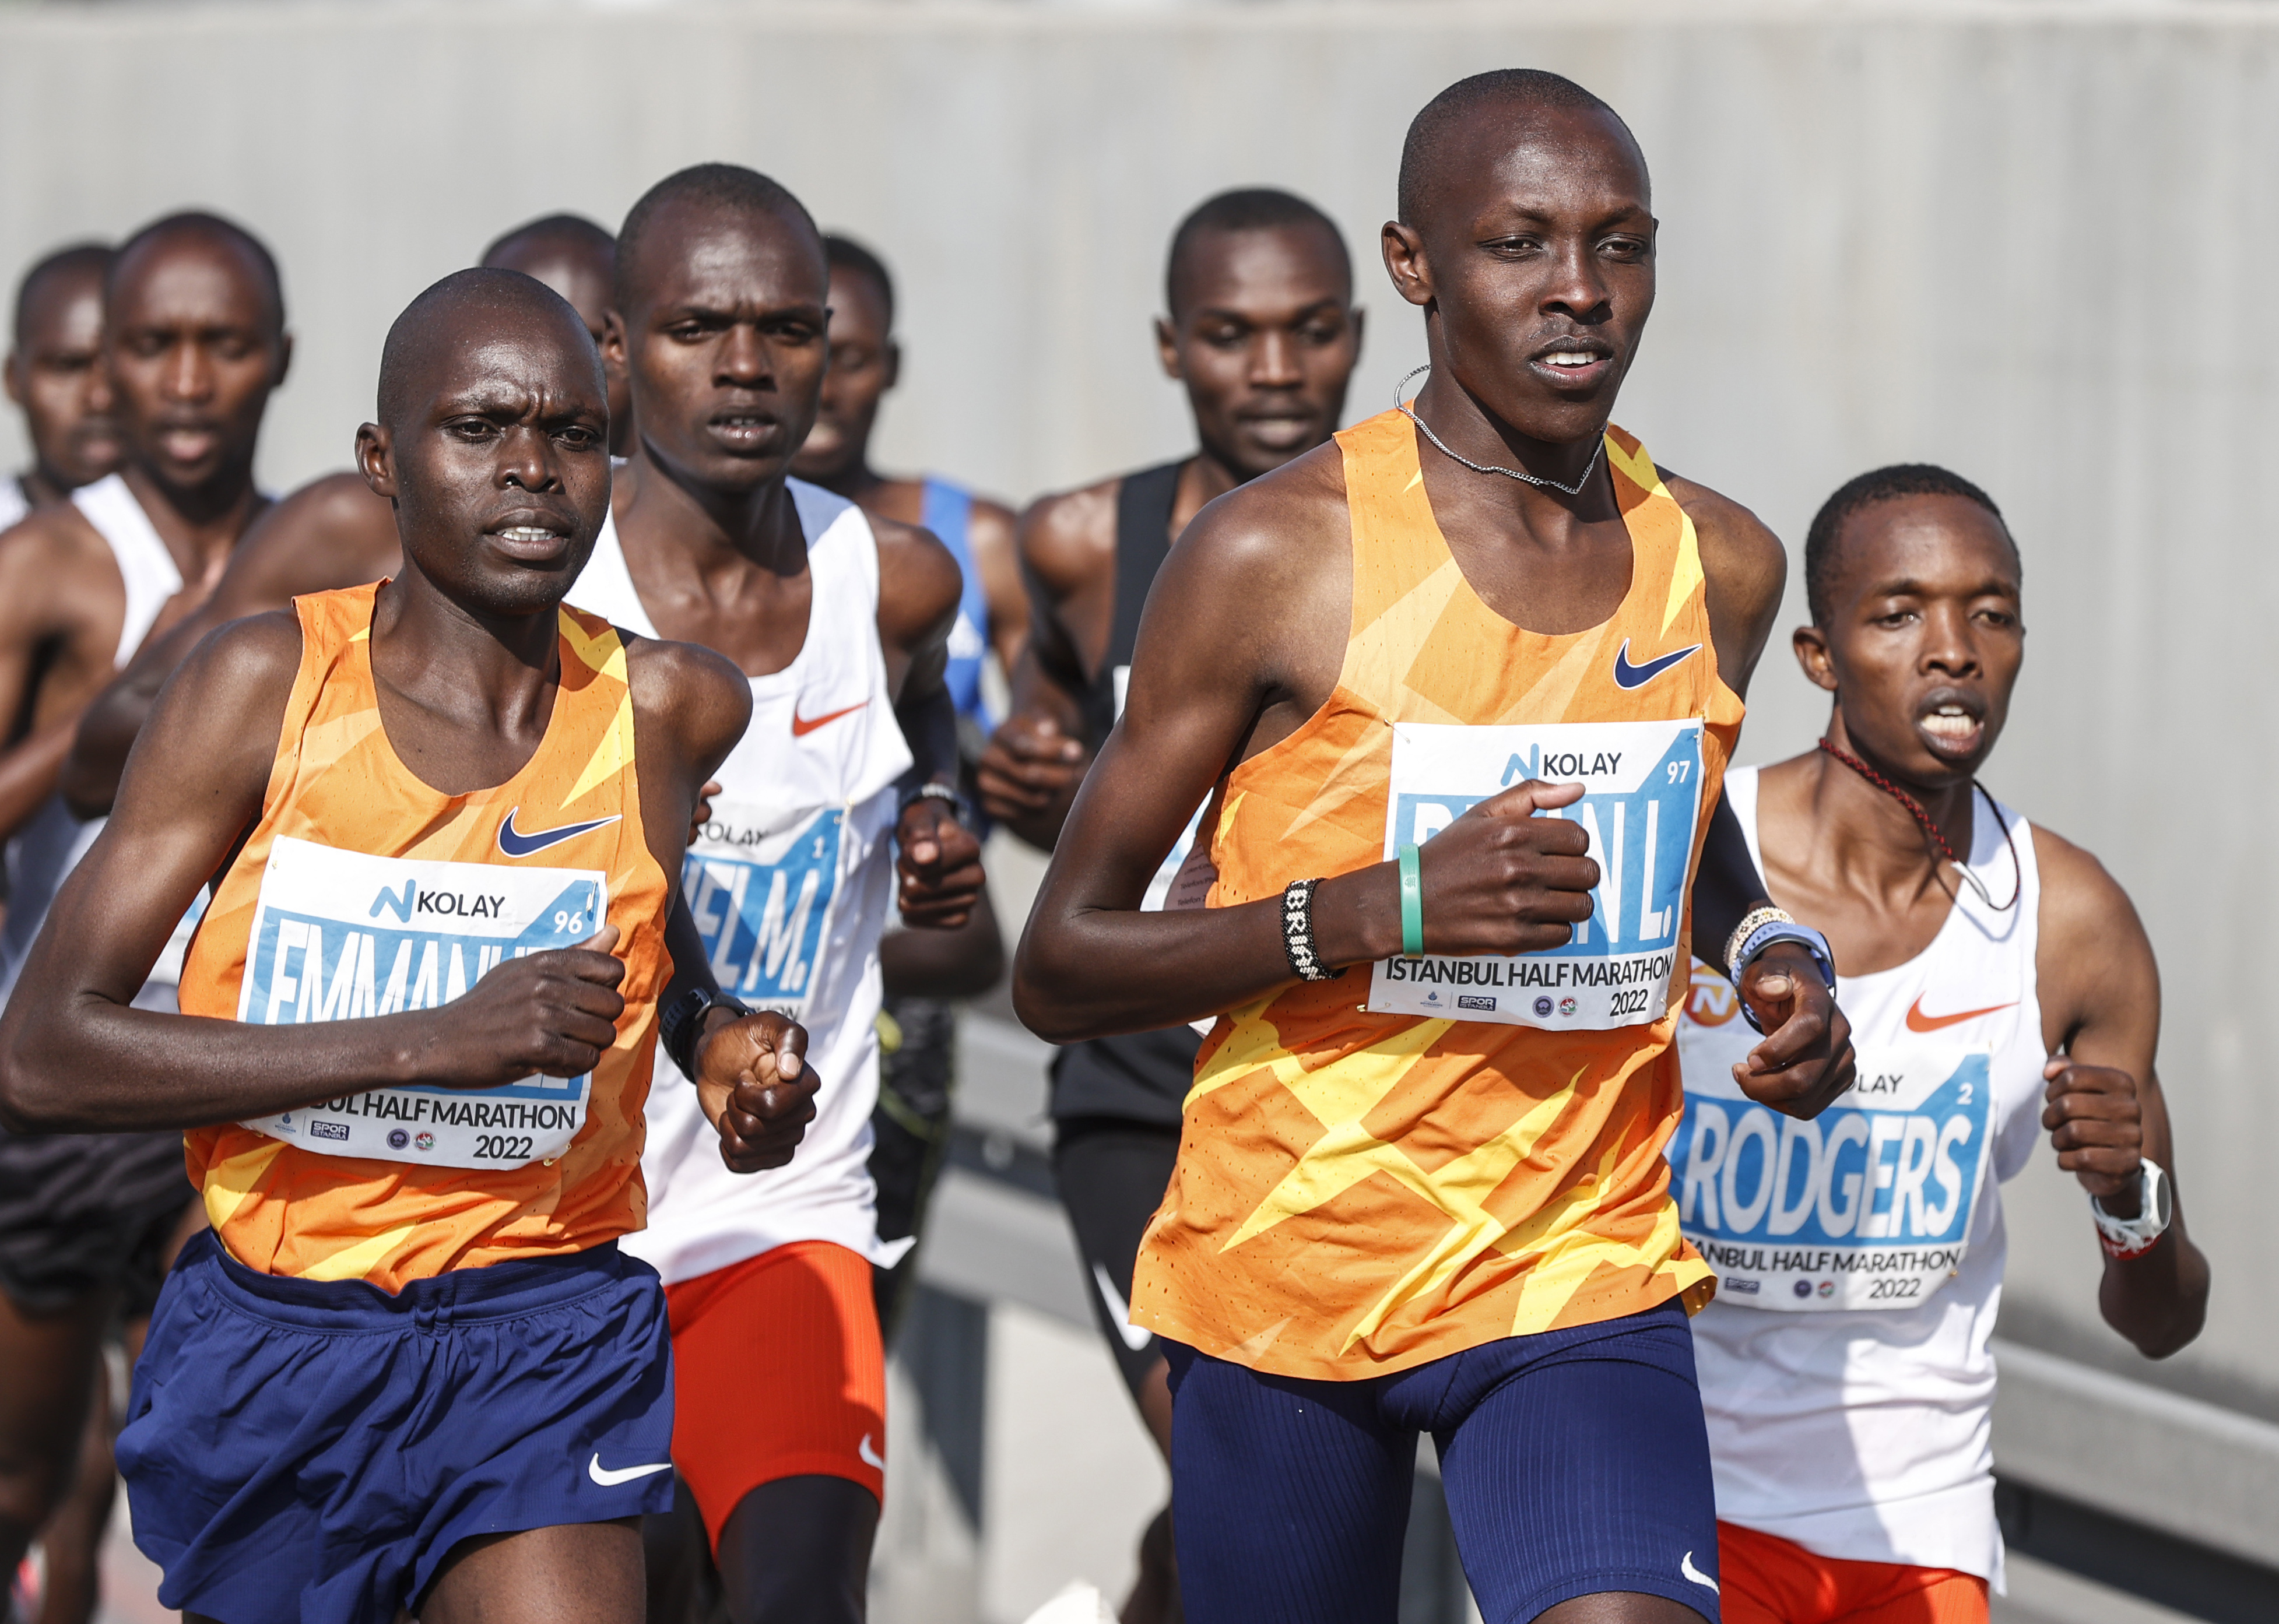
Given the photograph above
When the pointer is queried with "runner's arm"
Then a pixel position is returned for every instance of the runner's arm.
(919, 585)
(990, 532)
(1805, 1060)
(333, 532)
(1207, 669)
(35, 569)
(690, 708)
(1066, 554)
(2105, 1108)
(75, 1054)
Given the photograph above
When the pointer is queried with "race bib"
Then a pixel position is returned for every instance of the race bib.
(1642, 790)
(1867, 1205)
(340, 936)
(761, 897)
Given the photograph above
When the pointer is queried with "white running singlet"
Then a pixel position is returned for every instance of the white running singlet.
(14, 505)
(1845, 1363)
(48, 847)
(790, 884)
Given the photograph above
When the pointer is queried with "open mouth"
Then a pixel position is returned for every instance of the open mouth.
(1952, 730)
(188, 442)
(743, 429)
(1574, 361)
(531, 543)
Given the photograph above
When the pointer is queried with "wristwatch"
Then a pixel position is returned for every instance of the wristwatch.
(679, 1022)
(2131, 1238)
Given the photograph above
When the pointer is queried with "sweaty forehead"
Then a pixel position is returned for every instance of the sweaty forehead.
(725, 257)
(1522, 156)
(1263, 271)
(476, 353)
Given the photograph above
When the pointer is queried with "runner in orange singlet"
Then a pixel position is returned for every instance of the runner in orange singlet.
(408, 1367)
(1420, 1184)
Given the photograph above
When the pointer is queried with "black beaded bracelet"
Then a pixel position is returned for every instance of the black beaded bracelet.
(1298, 931)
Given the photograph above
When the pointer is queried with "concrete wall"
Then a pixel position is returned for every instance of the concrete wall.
(2027, 241)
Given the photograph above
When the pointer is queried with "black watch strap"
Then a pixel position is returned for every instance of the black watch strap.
(683, 1019)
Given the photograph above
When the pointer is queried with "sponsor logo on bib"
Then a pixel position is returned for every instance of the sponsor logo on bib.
(1641, 795)
(343, 936)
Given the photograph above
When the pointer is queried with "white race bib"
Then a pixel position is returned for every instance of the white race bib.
(1642, 790)
(340, 936)
(762, 898)
(1867, 1205)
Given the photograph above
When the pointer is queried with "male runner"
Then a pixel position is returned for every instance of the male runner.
(333, 532)
(408, 1368)
(1420, 1183)
(839, 624)
(1262, 331)
(921, 969)
(54, 373)
(1999, 982)
(194, 340)
(579, 260)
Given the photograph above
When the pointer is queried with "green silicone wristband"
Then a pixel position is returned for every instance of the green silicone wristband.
(1412, 905)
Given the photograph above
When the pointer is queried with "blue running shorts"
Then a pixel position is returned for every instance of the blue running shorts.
(308, 1451)
(1575, 1461)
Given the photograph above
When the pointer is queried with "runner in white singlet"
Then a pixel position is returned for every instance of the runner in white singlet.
(790, 883)
(841, 622)
(1844, 1364)
(194, 342)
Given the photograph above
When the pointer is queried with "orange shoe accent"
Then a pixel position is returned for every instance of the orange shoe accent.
(778, 1371)
(1767, 1580)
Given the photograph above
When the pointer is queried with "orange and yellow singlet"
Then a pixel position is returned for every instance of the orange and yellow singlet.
(1422, 1156)
(362, 892)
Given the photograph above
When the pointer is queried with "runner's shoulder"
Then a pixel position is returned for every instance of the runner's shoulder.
(333, 531)
(50, 560)
(243, 665)
(697, 696)
(1739, 549)
(919, 582)
(1067, 539)
(1281, 529)
(2081, 900)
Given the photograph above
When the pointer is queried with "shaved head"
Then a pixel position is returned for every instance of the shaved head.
(1257, 208)
(553, 236)
(1504, 103)
(460, 313)
(67, 268)
(198, 232)
(708, 191)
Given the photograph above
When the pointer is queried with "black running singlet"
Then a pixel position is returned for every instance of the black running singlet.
(1141, 1077)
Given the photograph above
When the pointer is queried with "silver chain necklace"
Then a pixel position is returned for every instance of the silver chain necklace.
(1575, 489)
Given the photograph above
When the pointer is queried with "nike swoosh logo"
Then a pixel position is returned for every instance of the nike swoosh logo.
(1119, 1311)
(1686, 1566)
(871, 1457)
(1918, 1021)
(1629, 676)
(514, 843)
(801, 726)
(609, 1479)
